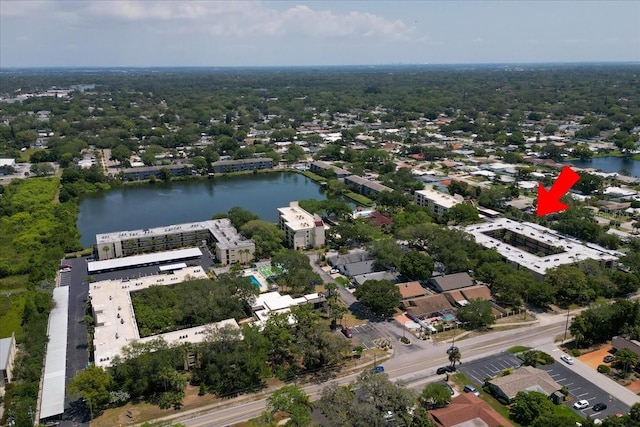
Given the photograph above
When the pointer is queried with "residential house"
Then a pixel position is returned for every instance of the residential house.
(468, 410)
(425, 307)
(619, 343)
(410, 290)
(450, 282)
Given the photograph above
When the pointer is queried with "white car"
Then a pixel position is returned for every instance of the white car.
(65, 270)
(568, 359)
(581, 404)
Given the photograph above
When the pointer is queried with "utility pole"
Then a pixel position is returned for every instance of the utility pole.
(566, 327)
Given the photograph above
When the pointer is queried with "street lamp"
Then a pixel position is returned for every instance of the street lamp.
(566, 327)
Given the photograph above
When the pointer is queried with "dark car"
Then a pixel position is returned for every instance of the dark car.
(442, 370)
(347, 332)
(378, 369)
(450, 368)
(599, 407)
(608, 359)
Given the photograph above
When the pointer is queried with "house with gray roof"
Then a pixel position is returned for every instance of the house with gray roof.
(525, 378)
(450, 282)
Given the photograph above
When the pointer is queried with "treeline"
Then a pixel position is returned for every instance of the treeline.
(162, 309)
(36, 233)
(228, 362)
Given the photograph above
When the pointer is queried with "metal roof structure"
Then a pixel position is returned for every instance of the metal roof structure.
(55, 365)
(154, 258)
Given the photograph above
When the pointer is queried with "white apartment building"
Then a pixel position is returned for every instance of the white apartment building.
(302, 229)
(436, 201)
(230, 247)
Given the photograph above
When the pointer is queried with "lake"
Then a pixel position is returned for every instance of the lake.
(159, 204)
(610, 164)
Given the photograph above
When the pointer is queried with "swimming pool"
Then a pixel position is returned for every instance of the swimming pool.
(446, 317)
(255, 281)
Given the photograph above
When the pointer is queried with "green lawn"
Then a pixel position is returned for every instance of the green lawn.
(13, 283)
(518, 349)
(11, 308)
(359, 198)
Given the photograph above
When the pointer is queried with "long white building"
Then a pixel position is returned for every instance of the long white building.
(538, 248)
(302, 229)
(115, 319)
(436, 201)
(230, 247)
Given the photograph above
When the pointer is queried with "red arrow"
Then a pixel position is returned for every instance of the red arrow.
(549, 201)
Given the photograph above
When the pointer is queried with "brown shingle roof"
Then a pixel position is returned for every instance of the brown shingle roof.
(466, 407)
(454, 296)
(411, 290)
(426, 306)
(476, 292)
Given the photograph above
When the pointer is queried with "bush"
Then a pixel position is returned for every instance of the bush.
(604, 369)
(575, 352)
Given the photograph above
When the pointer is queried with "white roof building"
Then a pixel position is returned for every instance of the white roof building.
(115, 319)
(537, 248)
(436, 201)
(302, 229)
(273, 302)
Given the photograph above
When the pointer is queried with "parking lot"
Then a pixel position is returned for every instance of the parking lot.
(579, 387)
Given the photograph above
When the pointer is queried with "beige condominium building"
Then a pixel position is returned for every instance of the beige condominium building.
(436, 201)
(302, 229)
(230, 247)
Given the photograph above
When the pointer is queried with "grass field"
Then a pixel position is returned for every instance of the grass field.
(11, 308)
(359, 199)
(13, 283)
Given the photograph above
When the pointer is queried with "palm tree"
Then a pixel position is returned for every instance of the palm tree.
(454, 356)
(627, 358)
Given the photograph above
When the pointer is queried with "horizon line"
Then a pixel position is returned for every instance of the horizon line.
(392, 64)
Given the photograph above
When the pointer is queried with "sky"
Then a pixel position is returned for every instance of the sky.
(145, 33)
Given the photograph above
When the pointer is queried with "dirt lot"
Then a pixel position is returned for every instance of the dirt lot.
(594, 358)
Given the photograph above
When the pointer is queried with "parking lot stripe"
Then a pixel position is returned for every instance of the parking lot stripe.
(583, 394)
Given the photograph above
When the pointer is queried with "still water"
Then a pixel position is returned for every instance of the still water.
(611, 165)
(156, 205)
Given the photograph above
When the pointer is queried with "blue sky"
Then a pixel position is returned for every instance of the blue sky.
(265, 33)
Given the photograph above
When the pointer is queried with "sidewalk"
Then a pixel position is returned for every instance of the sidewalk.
(605, 383)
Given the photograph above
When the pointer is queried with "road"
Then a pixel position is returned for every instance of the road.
(414, 369)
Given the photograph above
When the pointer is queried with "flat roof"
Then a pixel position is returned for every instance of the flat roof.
(440, 198)
(5, 350)
(574, 249)
(115, 320)
(55, 365)
(296, 217)
(170, 267)
(374, 185)
(153, 258)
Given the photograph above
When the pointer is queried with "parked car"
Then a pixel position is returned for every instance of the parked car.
(471, 389)
(567, 359)
(334, 271)
(599, 407)
(347, 332)
(450, 368)
(378, 369)
(65, 270)
(442, 370)
(65, 266)
(608, 359)
(581, 404)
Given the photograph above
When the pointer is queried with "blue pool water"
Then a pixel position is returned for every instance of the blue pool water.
(255, 281)
(446, 317)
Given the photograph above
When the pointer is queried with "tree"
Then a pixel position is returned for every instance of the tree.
(121, 153)
(380, 296)
(165, 174)
(41, 169)
(583, 152)
(416, 265)
(454, 355)
(570, 285)
(267, 237)
(386, 252)
(589, 183)
(478, 314)
(240, 216)
(92, 384)
(529, 406)
(461, 214)
(294, 153)
(294, 401)
(626, 358)
(435, 395)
